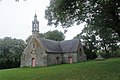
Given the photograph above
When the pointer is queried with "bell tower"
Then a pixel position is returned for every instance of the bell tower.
(35, 26)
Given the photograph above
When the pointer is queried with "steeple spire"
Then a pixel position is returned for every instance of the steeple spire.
(35, 25)
(35, 17)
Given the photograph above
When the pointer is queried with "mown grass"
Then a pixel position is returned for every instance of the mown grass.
(91, 70)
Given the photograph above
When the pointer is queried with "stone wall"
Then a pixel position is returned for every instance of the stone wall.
(67, 56)
(54, 59)
(61, 58)
(36, 51)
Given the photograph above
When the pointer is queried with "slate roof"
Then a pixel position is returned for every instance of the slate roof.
(50, 45)
(69, 45)
(60, 46)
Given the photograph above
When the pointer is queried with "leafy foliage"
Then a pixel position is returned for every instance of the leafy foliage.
(52, 35)
(101, 13)
(99, 40)
(10, 52)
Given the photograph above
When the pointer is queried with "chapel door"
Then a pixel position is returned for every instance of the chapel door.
(33, 62)
(71, 61)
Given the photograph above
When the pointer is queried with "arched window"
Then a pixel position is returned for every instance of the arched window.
(33, 46)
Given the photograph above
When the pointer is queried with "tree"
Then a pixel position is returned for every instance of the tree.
(99, 39)
(54, 35)
(89, 42)
(101, 13)
(10, 52)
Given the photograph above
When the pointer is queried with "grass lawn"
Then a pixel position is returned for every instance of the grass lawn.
(92, 70)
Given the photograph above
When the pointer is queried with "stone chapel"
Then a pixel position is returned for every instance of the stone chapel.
(44, 52)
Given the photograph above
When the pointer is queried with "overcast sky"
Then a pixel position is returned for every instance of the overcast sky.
(16, 19)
